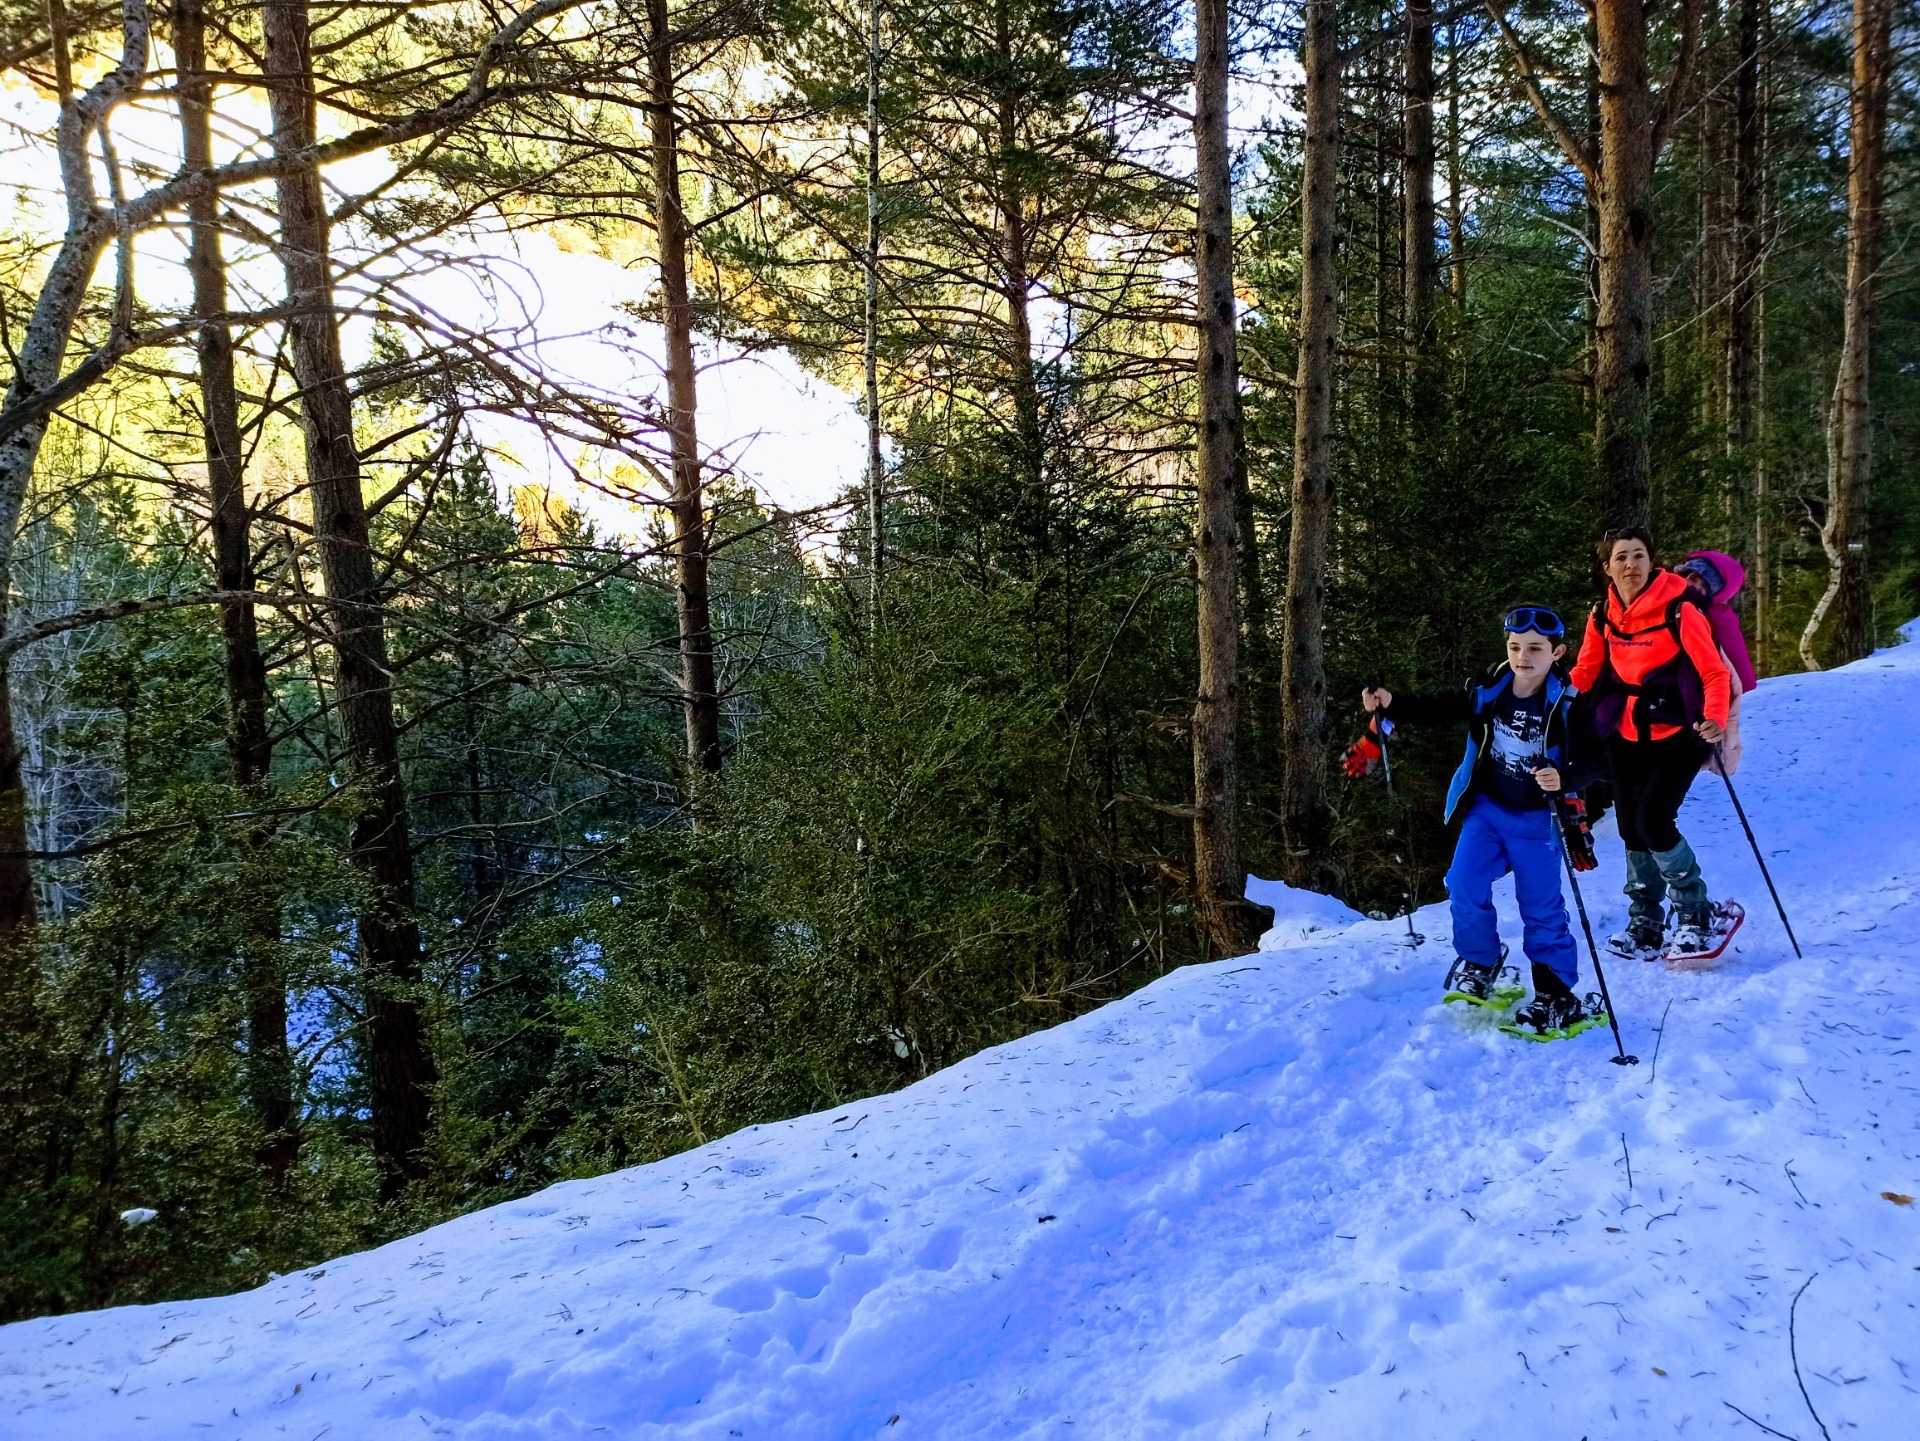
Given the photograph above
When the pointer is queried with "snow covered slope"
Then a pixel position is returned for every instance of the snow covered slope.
(1283, 1196)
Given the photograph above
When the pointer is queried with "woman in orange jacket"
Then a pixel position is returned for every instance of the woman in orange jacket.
(1659, 688)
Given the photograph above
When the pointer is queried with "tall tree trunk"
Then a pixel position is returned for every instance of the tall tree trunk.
(1623, 371)
(876, 471)
(1384, 134)
(1760, 576)
(400, 1068)
(1022, 378)
(1590, 257)
(1847, 601)
(1761, 581)
(1016, 283)
(699, 690)
(1232, 924)
(249, 748)
(1746, 256)
(1259, 687)
(1305, 817)
(1456, 207)
(16, 871)
(1421, 257)
(1713, 263)
(1632, 131)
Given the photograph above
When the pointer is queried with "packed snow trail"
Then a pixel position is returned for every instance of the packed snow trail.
(1289, 1195)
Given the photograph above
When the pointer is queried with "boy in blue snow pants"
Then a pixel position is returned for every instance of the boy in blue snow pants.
(1527, 740)
(1494, 840)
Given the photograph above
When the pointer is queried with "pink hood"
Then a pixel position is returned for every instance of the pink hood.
(1731, 572)
(1720, 615)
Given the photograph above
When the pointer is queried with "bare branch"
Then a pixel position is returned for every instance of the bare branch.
(1183, 811)
(18, 638)
(1675, 98)
(119, 345)
(1577, 150)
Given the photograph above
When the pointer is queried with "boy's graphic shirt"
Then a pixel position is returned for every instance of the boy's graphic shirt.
(1516, 747)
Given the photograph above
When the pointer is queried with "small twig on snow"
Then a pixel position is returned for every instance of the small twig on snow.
(1659, 1039)
(1793, 1350)
(1758, 1422)
(1788, 1168)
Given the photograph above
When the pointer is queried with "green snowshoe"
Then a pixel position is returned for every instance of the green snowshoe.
(1557, 1015)
(1495, 987)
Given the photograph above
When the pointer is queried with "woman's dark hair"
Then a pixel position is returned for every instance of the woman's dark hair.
(1625, 532)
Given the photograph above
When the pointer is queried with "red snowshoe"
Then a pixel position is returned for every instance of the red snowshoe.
(1693, 950)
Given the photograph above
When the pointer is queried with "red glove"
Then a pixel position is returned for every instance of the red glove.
(1363, 755)
(1579, 836)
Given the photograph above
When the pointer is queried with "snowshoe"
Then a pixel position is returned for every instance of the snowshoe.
(1702, 940)
(1495, 987)
(1557, 1016)
(1640, 941)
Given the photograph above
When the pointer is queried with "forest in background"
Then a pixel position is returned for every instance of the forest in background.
(383, 837)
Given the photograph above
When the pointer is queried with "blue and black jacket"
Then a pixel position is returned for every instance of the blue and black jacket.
(1572, 745)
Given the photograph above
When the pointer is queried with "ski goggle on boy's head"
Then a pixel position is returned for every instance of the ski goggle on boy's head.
(1524, 618)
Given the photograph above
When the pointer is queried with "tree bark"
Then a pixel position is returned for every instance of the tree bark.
(1016, 280)
(699, 689)
(17, 913)
(1421, 254)
(1305, 817)
(1847, 602)
(1714, 158)
(1022, 379)
(1742, 369)
(400, 1069)
(876, 467)
(1623, 360)
(1456, 208)
(1760, 578)
(1259, 686)
(1232, 924)
(1590, 260)
(250, 750)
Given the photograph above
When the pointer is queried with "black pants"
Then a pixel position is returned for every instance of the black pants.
(1650, 781)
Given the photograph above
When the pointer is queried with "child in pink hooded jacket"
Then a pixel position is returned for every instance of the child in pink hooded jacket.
(1717, 578)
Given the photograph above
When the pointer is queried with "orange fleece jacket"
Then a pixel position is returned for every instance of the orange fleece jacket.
(1634, 656)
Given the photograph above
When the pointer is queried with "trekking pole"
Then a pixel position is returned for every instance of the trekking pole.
(1620, 1056)
(1741, 811)
(1385, 731)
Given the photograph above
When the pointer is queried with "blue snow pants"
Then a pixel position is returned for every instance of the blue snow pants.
(1493, 841)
